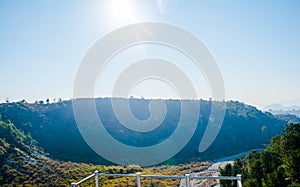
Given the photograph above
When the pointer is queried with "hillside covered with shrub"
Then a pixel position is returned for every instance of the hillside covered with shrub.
(54, 128)
(23, 163)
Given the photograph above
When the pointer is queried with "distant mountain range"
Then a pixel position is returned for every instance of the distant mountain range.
(285, 107)
(53, 126)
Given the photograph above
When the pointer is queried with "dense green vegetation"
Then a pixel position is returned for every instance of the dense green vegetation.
(25, 164)
(244, 128)
(278, 165)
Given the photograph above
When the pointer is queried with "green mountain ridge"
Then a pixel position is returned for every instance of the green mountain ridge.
(54, 127)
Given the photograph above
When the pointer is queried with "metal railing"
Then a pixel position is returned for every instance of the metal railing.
(187, 177)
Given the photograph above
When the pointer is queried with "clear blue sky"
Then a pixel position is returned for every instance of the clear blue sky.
(256, 43)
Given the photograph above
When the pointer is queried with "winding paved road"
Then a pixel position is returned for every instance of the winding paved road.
(212, 170)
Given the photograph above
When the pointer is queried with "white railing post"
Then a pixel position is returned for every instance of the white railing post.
(73, 184)
(97, 178)
(239, 180)
(138, 179)
(187, 180)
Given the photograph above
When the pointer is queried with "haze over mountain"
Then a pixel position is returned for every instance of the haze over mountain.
(285, 107)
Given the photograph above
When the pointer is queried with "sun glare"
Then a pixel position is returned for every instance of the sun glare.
(122, 10)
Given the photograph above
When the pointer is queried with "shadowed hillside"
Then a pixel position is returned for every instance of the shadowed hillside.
(54, 128)
(23, 163)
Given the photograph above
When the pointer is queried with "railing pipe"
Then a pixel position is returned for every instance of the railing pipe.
(116, 175)
(215, 177)
(163, 176)
(74, 184)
